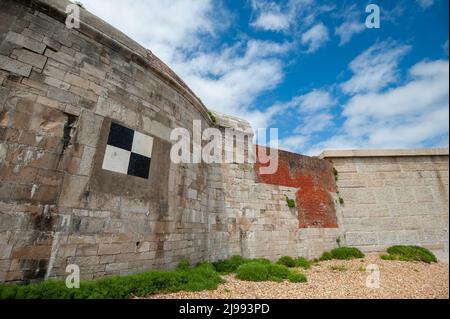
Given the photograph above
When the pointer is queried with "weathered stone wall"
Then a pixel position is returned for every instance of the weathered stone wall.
(249, 212)
(62, 89)
(394, 197)
(60, 92)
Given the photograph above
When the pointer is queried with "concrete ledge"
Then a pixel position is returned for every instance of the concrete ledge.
(385, 153)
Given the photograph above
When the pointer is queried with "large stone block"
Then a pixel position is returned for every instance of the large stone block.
(25, 42)
(15, 66)
(34, 59)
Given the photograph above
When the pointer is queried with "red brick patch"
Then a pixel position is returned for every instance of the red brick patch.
(315, 180)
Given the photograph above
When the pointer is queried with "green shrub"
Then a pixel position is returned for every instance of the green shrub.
(342, 253)
(302, 262)
(287, 261)
(326, 256)
(260, 260)
(202, 277)
(253, 272)
(411, 253)
(278, 272)
(290, 202)
(229, 265)
(387, 257)
(297, 277)
(183, 265)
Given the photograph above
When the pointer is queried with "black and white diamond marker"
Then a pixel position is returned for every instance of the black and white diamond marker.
(128, 152)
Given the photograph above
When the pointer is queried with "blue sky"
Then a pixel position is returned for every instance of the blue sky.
(308, 67)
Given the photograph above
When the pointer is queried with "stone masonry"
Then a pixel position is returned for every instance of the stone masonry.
(61, 92)
(394, 197)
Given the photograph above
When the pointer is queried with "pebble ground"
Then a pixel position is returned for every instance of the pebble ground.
(340, 280)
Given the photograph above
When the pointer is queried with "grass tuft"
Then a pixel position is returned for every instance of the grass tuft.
(254, 271)
(287, 261)
(410, 253)
(302, 262)
(297, 278)
(342, 253)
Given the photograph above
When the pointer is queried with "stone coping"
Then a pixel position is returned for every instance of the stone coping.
(95, 28)
(385, 153)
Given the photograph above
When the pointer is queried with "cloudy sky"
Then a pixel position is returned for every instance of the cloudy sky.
(308, 67)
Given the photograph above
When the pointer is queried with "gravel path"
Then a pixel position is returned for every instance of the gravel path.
(340, 279)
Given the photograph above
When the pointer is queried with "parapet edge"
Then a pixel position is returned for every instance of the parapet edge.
(385, 153)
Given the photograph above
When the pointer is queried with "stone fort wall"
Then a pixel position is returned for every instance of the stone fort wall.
(72, 193)
(394, 197)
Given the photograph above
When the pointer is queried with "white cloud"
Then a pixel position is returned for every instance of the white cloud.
(315, 123)
(272, 21)
(425, 3)
(273, 16)
(415, 114)
(293, 143)
(315, 37)
(315, 100)
(230, 81)
(270, 17)
(183, 33)
(161, 26)
(352, 24)
(348, 29)
(312, 110)
(290, 17)
(376, 68)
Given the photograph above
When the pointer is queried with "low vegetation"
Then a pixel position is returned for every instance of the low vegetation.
(338, 268)
(255, 271)
(295, 277)
(212, 117)
(409, 253)
(336, 174)
(287, 261)
(290, 262)
(342, 253)
(302, 262)
(204, 276)
(230, 265)
(201, 277)
(290, 202)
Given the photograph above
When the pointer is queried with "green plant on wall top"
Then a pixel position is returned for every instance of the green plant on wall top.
(212, 117)
(78, 3)
(290, 202)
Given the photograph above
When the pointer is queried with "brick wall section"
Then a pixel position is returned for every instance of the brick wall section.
(251, 218)
(394, 200)
(315, 180)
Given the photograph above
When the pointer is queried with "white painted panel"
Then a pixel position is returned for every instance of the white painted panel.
(116, 159)
(142, 144)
